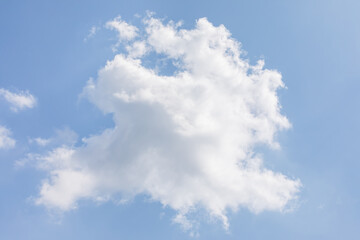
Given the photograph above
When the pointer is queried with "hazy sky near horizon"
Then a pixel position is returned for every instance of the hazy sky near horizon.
(179, 119)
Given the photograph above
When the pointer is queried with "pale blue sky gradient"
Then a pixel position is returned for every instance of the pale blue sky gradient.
(314, 44)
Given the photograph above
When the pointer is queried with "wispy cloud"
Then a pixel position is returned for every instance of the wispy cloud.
(93, 30)
(64, 136)
(18, 101)
(185, 139)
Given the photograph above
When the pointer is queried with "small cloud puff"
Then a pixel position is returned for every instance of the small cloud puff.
(6, 142)
(125, 31)
(18, 101)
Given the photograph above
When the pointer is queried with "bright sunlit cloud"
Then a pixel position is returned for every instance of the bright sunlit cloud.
(185, 139)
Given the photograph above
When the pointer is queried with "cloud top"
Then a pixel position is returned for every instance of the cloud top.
(185, 139)
(125, 31)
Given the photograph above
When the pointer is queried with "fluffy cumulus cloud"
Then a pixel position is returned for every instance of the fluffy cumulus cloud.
(6, 141)
(18, 101)
(185, 138)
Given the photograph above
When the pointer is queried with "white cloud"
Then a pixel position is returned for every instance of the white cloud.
(125, 31)
(186, 140)
(93, 30)
(6, 141)
(18, 101)
(137, 49)
(40, 141)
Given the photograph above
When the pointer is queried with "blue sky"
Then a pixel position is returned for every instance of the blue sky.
(47, 52)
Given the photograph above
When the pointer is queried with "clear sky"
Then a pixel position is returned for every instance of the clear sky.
(116, 124)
